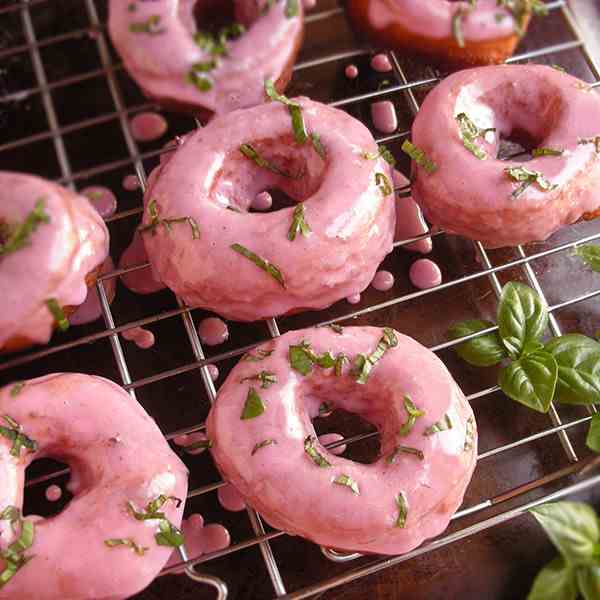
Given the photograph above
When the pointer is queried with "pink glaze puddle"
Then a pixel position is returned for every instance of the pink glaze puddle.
(102, 199)
(330, 438)
(409, 220)
(381, 63)
(213, 331)
(130, 183)
(354, 299)
(141, 281)
(53, 493)
(383, 281)
(142, 338)
(191, 438)
(262, 201)
(308, 4)
(384, 116)
(91, 309)
(214, 372)
(148, 126)
(230, 498)
(200, 539)
(424, 273)
(351, 71)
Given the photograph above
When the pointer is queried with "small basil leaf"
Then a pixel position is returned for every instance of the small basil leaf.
(531, 380)
(590, 254)
(588, 580)
(483, 351)
(578, 358)
(556, 581)
(572, 527)
(593, 437)
(522, 317)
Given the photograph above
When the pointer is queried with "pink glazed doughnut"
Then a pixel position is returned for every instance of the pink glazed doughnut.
(117, 456)
(505, 203)
(250, 266)
(264, 443)
(189, 69)
(52, 244)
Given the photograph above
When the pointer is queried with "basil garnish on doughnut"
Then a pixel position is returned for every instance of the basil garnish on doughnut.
(13, 237)
(14, 556)
(413, 413)
(364, 364)
(156, 220)
(127, 543)
(405, 496)
(264, 377)
(253, 407)
(295, 109)
(58, 314)
(13, 432)
(299, 224)
(419, 156)
(261, 263)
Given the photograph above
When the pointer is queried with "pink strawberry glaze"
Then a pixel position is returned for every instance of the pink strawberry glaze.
(230, 498)
(55, 262)
(262, 201)
(330, 438)
(148, 126)
(91, 310)
(140, 281)
(409, 220)
(281, 480)
(53, 493)
(102, 441)
(353, 299)
(424, 273)
(351, 222)
(383, 281)
(141, 337)
(381, 63)
(262, 52)
(472, 197)
(351, 71)
(213, 331)
(131, 183)
(102, 199)
(384, 116)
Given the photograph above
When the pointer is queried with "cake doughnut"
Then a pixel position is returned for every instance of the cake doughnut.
(205, 246)
(186, 67)
(455, 33)
(52, 244)
(120, 528)
(264, 443)
(464, 188)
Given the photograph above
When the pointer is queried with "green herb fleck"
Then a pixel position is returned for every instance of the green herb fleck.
(299, 224)
(151, 26)
(249, 152)
(262, 444)
(260, 355)
(383, 183)
(291, 8)
(316, 142)
(469, 133)
(348, 482)
(14, 433)
(382, 152)
(469, 434)
(402, 505)
(324, 409)
(442, 425)
(419, 157)
(317, 458)
(253, 407)
(337, 328)
(391, 459)
(261, 263)
(590, 254)
(266, 378)
(131, 7)
(14, 556)
(200, 82)
(364, 364)
(16, 389)
(340, 359)
(18, 236)
(547, 152)
(294, 109)
(57, 312)
(128, 543)
(592, 140)
(156, 221)
(199, 445)
(413, 413)
(457, 30)
(302, 357)
(168, 535)
(526, 177)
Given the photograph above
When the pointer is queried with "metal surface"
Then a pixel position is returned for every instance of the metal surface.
(173, 382)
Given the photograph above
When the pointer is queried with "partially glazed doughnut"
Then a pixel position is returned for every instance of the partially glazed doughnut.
(449, 32)
(52, 243)
(98, 546)
(264, 443)
(249, 266)
(504, 203)
(189, 69)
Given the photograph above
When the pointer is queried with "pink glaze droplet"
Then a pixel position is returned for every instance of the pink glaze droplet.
(354, 299)
(142, 338)
(330, 438)
(91, 308)
(53, 493)
(213, 331)
(409, 220)
(262, 201)
(214, 372)
(424, 273)
(381, 63)
(140, 281)
(383, 281)
(148, 126)
(102, 199)
(308, 4)
(190, 439)
(384, 116)
(230, 498)
(131, 183)
(351, 71)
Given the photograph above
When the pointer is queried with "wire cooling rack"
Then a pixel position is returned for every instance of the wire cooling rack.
(53, 143)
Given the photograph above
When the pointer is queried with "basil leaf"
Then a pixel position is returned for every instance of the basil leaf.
(578, 358)
(346, 480)
(590, 254)
(522, 317)
(314, 454)
(266, 378)
(588, 580)
(592, 441)
(128, 543)
(300, 359)
(253, 407)
(58, 314)
(531, 380)
(419, 156)
(483, 351)
(261, 263)
(572, 527)
(168, 535)
(402, 506)
(262, 444)
(556, 581)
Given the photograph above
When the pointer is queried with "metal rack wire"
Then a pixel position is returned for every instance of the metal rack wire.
(403, 88)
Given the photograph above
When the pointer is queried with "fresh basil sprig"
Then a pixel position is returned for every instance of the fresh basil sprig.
(590, 254)
(483, 351)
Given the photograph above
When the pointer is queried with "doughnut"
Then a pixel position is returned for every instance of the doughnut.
(196, 226)
(264, 443)
(453, 33)
(188, 68)
(105, 543)
(464, 188)
(52, 245)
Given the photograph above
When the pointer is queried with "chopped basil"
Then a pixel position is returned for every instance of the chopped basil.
(547, 152)
(200, 82)
(324, 409)
(16, 389)
(10, 513)
(294, 109)
(391, 459)
(525, 177)
(302, 357)
(156, 220)
(14, 556)
(382, 152)
(348, 482)
(291, 8)
(383, 183)
(262, 444)
(168, 535)
(131, 7)
(442, 425)
(521, 10)
(316, 457)
(469, 132)
(316, 142)
(419, 157)
(199, 445)
(364, 364)
(261, 263)
(128, 543)
(260, 355)
(413, 413)
(299, 224)
(469, 434)
(559, 68)
(14, 433)
(253, 407)
(151, 26)
(340, 359)
(249, 152)
(18, 236)
(266, 378)
(402, 505)
(217, 46)
(337, 328)
(457, 30)
(592, 140)
(57, 312)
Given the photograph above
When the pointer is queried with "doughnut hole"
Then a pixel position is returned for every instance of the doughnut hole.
(35, 501)
(212, 16)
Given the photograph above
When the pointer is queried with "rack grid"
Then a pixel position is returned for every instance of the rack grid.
(404, 89)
